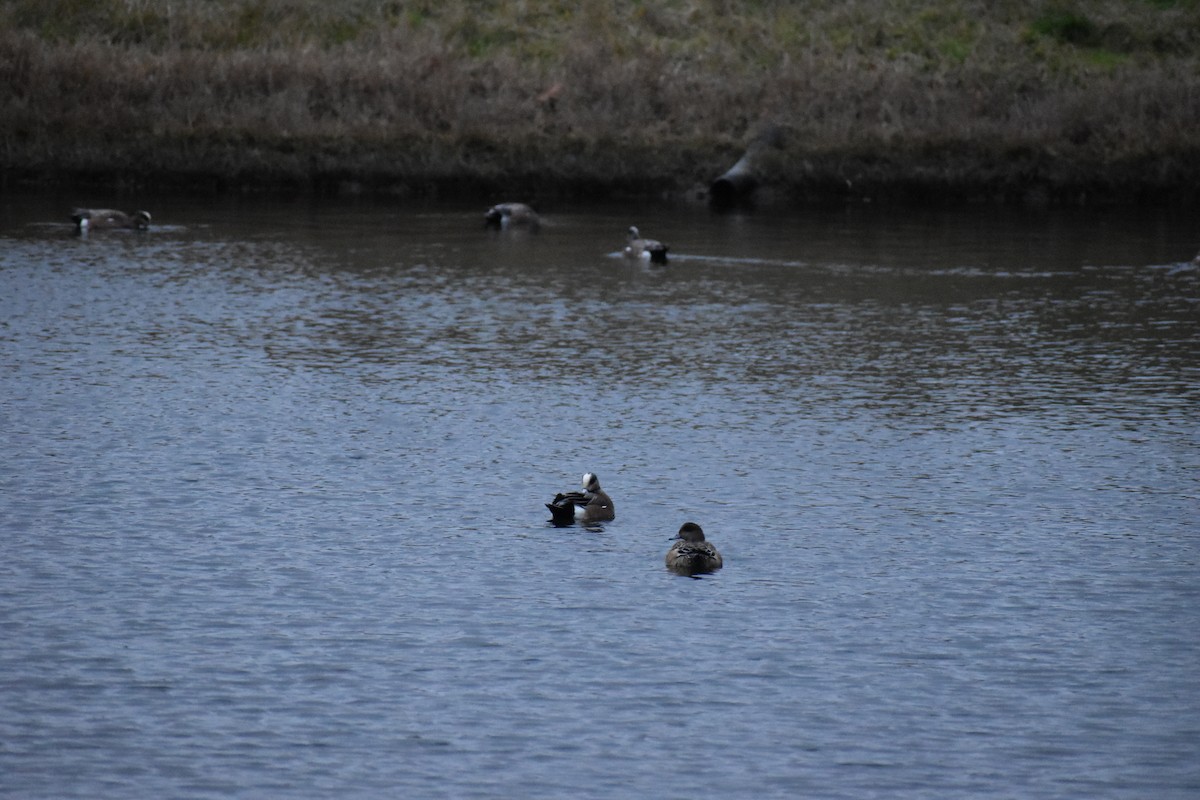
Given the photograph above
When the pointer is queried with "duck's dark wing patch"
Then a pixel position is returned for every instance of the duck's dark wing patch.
(569, 498)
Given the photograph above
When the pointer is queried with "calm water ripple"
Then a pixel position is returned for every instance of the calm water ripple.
(272, 510)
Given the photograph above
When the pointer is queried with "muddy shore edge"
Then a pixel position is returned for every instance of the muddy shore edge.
(340, 169)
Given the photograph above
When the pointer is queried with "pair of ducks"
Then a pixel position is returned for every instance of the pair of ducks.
(504, 216)
(689, 555)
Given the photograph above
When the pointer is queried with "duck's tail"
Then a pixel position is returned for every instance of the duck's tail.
(562, 508)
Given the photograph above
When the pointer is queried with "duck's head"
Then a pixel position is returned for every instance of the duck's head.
(494, 217)
(590, 482)
(141, 220)
(690, 532)
(633, 233)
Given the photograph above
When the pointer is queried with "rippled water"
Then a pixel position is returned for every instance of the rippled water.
(272, 525)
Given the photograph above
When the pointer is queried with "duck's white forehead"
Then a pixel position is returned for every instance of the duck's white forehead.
(587, 478)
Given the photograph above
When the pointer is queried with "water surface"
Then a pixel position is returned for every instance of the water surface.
(272, 514)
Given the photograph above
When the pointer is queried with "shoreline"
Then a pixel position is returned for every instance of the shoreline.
(932, 179)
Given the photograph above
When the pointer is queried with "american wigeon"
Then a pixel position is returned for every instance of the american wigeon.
(637, 247)
(89, 218)
(503, 216)
(691, 555)
(590, 505)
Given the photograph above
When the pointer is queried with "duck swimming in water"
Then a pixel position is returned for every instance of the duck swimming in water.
(591, 505)
(692, 555)
(503, 216)
(637, 247)
(94, 218)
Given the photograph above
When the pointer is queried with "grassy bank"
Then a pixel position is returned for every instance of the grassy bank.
(1053, 99)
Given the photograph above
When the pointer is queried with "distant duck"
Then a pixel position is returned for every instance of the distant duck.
(691, 555)
(590, 505)
(89, 218)
(511, 215)
(637, 247)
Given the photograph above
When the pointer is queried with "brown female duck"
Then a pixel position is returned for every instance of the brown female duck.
(692, 555)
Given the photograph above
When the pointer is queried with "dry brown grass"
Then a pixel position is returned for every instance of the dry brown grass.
(953, 97)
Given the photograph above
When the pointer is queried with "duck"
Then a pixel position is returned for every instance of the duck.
(691, 554)
(503, 216)
(591, 505)
(88, 218)
(637, 247)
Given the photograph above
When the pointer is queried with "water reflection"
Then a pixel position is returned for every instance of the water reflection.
(961, 338)
(917, 314)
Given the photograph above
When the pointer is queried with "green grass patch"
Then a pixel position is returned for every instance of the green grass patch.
(1106, 60)
(955, 51)
(1066, 26)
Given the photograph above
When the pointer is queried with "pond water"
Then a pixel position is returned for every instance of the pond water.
(272, 521)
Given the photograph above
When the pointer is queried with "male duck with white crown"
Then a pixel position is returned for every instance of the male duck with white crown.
(591, 505)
